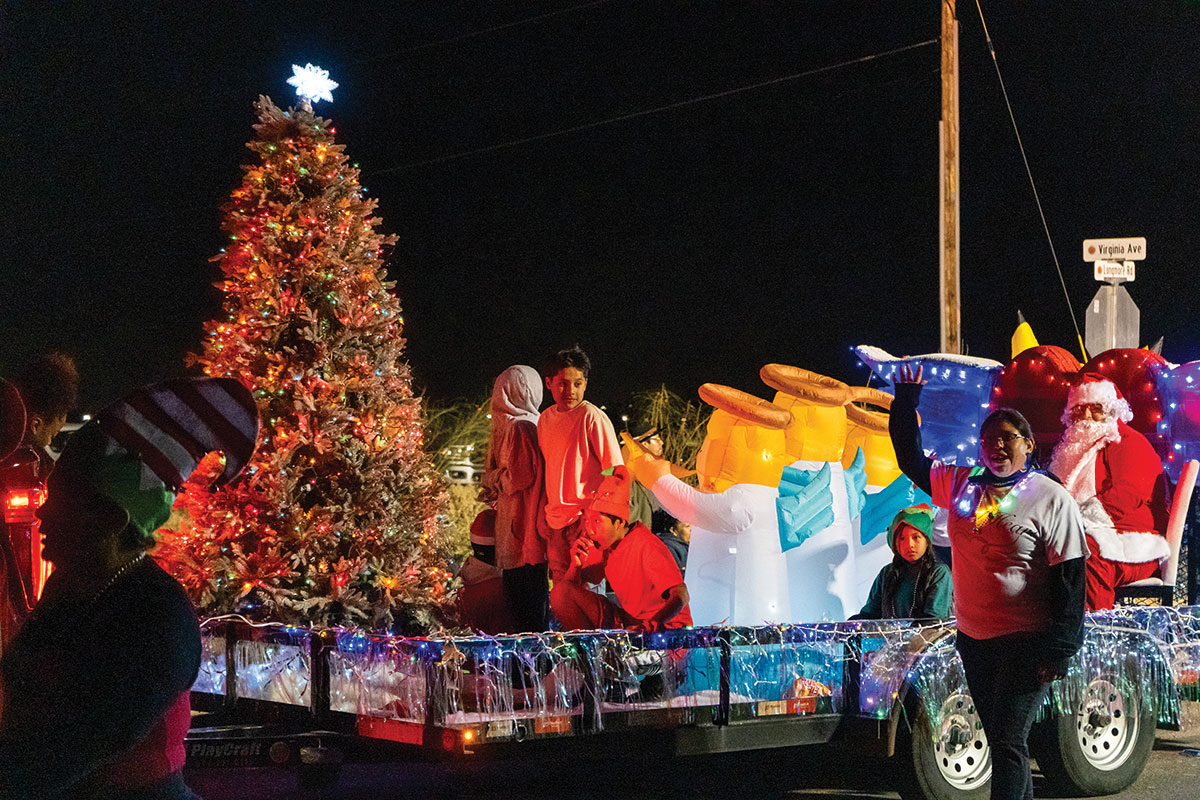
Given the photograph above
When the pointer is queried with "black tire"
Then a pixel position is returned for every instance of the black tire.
(1102, 747)
(952, 762)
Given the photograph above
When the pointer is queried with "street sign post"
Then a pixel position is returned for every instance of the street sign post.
(1113, 319)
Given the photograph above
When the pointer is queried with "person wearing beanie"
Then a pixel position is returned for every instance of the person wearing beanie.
(1117, 478)
(483, 536)
(96, 685)
(915, 585)
(637, 565)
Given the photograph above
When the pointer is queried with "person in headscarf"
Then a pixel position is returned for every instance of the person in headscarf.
(96, 684)
(514, 480)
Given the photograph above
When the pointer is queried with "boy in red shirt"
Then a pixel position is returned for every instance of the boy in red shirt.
(577, 442)
(637, 565)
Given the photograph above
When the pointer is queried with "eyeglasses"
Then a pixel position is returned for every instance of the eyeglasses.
(1004, 439)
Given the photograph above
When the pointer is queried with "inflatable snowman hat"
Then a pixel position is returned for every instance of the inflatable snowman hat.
(745, 440)
(817, 403)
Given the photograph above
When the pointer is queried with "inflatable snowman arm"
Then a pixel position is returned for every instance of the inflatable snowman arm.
(725, 512)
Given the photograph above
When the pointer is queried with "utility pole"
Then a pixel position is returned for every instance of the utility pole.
(951, 316)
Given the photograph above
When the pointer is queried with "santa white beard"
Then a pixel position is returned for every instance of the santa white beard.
(1074, 462)
(1079, 444)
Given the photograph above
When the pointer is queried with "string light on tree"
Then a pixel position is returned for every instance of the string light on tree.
(336, 519)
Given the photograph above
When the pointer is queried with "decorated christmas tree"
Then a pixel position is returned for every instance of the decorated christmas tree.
(336, 520)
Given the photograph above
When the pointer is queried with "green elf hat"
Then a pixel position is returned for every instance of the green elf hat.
(139, 450)
(919, 517)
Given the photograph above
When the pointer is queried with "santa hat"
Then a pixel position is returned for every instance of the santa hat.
(612, 496)
(12, 418)
(919, 517)
(1091, 387)
(142, 448)
(483, 528)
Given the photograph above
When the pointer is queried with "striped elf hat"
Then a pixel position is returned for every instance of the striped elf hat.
(139, 450)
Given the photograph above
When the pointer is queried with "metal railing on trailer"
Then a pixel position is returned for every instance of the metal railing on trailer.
(266, 691)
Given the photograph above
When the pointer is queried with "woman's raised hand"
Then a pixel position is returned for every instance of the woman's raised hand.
(906, 374)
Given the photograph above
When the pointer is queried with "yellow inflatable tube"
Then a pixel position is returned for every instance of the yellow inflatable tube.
(817, 404)
(745, 440)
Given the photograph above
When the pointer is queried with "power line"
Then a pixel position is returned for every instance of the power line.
(647, 112)
(481, 32)
(1029, 173)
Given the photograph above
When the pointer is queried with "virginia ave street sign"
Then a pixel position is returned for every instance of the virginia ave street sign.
(1115, 249)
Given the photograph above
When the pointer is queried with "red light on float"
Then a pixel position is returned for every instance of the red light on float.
(19, 505)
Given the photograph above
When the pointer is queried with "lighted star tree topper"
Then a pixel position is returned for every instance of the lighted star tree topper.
(312, 83)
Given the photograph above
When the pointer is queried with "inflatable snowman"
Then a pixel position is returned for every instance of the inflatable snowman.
(821, 570)
(736, 573)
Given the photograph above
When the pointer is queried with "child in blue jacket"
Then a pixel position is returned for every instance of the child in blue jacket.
(914, 585)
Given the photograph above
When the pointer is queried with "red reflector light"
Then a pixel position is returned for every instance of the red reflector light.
(19, 505)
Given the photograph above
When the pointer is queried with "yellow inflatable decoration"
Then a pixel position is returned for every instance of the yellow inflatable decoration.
(645, 468)
(868, 429)
(745, 441)
(1022, 338)
(817, 404)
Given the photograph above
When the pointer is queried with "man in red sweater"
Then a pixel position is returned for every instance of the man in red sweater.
(637, 565)
(1117, 478)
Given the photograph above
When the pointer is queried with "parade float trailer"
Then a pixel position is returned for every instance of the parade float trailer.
(314, 698)
(278, 695)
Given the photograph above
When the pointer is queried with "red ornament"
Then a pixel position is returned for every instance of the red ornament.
(1036, 383)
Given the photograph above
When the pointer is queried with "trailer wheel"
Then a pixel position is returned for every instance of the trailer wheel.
(950, 760)
(1102, 747)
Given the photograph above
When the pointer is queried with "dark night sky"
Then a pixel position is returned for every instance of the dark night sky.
(786, 223)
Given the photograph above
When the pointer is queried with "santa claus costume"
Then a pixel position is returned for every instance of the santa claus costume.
(1117, 478)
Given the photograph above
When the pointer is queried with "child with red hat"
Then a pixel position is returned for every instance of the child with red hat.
(481, 601)
(637, 565)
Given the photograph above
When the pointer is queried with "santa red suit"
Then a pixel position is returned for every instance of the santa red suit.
(1117, 478)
